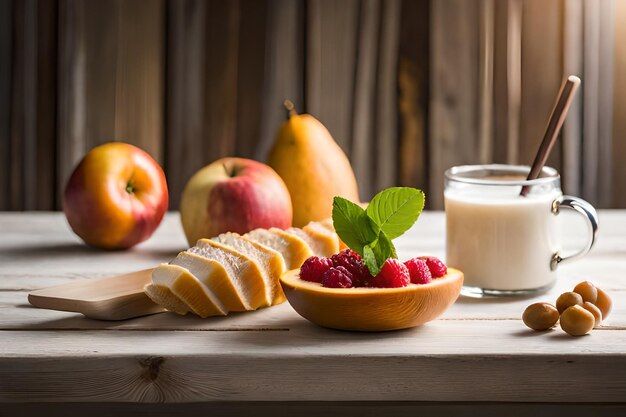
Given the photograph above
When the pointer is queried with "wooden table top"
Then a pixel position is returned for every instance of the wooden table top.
(478, 351)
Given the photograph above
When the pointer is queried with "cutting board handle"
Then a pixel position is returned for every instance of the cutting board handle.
(113, 298)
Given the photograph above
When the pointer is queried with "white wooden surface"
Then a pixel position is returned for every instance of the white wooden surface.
(478, 351)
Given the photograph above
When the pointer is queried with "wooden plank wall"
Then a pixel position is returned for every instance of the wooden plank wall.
(111, 77)
(408, 88)
(619, 107)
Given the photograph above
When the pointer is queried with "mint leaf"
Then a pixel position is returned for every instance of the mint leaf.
(353, 225)
(377, 252)
(369, 259)
(369, 232)
(395, 210)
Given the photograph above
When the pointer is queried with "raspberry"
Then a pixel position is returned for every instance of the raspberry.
(437, 268)
(418, 270)
(392, 275)
(337, 277)
(313, 269)
(353, 262)
(347, 255)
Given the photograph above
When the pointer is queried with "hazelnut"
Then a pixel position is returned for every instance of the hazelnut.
(540, 316)
(587, 291)
(577, 321)
(604, 303)
(597, 314)
(568, 299)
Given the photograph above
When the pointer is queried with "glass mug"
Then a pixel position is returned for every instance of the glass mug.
(505, 243)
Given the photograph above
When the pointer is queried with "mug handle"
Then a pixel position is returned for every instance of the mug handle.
(590, 214)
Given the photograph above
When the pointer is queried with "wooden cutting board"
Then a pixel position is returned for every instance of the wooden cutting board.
(112, 298)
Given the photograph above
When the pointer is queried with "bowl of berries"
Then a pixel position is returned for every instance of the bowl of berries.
(365, 287)
(340, 293)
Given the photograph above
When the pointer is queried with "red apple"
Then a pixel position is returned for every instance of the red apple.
(234, 195)
(116, 197)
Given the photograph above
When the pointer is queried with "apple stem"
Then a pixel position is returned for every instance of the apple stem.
(129, 187)
(291, 108)
(232, 172)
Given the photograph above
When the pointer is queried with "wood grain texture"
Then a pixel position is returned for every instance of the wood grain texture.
(140, 75)
(310, 409)
(54, 355)
(142, 366)
(6, 52)
(514, 19)
(541, 42)
(111, 298)
(573, 64)
(31, 112)
(191, 81)
(598, 105)
(453, 104)
(331, 42)
(185, 93)
(619, 97)
(203, 62)
(221, 43)
(386, 147)
(20, 316)
(284, 68)
(23, 50)
(45, 149)
(111, 77)
(591, 69)
(501, 77)
(606, 103)
(363, 154)
(253, 41)
(413, 94)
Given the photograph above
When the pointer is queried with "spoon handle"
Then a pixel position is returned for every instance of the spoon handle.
(559, 113)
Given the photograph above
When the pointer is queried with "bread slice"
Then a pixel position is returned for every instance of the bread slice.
(327, 238)
(319, 247)
(271, 262)
(164, 297)
(215, 277)
(328, 223)
(293, 249)
(244, 272)
(188, 289)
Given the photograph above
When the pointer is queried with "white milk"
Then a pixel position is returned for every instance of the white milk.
(500, 240)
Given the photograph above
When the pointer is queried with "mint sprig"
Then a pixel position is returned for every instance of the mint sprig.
(369, 231)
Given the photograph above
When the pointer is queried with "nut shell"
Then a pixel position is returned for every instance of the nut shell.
(540, 316)
(593, 309)
(604, 303)
(577, 321)
(587, 291)
(568, 299)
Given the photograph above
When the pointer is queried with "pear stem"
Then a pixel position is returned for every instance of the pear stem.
(291, 108)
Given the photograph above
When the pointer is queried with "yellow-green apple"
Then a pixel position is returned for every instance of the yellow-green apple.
(116, 196)
(234, 195)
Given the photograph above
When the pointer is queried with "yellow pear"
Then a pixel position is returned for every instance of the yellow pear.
(313, 167)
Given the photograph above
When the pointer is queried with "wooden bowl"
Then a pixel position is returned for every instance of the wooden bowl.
(371, 309)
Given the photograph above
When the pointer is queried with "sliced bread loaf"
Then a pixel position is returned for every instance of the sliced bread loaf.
(164, 297)
(328, 223)
(244, 272)
(320, 247)
(271, 262)
(293, 249)
(327, 238)
(215, 277)
(189, 290)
